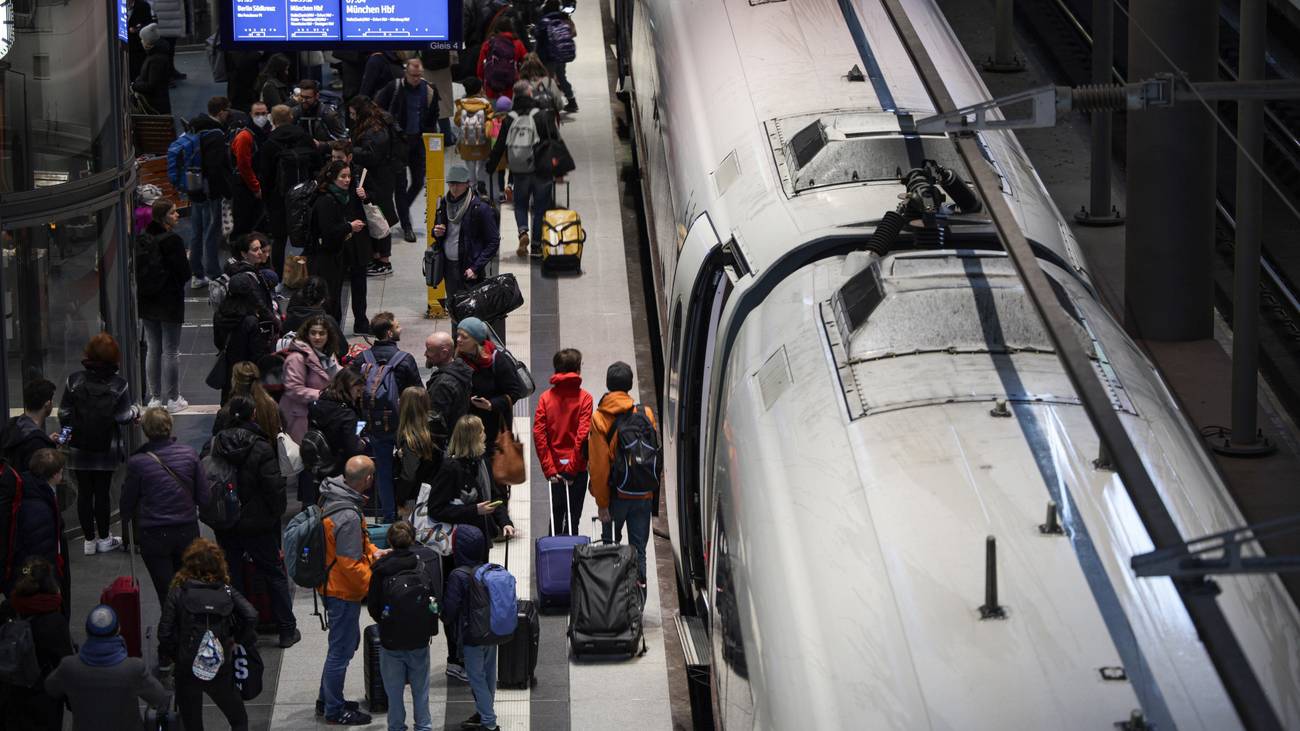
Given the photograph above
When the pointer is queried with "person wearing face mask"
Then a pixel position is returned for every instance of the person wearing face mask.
(247, 189)
(336, 219)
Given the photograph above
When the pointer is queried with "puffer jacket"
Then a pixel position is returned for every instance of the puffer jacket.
(347, 544)
(457, 490)
(246, 280)
(338, 422)
(170, 15)
(561, 424)
(172, 642)
(261, 486)
(97, 375)
(152, 496)
(304, 379)
(598, 455)
(39, 532)
(21, 438)
(403, 559)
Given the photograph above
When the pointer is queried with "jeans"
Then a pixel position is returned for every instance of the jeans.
(408, 192)
(481, 667)
(636, 513)
(163, 368)
(562, 524)
(534, 189)
(344, 639)
(161, 547)
(561, 75)
(94, 504)
(381, 449)
(398, 668)
(205, 239)
(264, 550)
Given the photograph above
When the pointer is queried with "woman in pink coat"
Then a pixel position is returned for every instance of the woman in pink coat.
(308, 368)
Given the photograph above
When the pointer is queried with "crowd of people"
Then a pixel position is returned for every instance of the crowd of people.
(274, 167)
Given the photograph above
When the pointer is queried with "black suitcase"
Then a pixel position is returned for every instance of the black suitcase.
(605, 602)
(376, 697)
(495, 298)
(517, 659)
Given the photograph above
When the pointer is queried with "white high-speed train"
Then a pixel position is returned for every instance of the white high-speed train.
(836, 453)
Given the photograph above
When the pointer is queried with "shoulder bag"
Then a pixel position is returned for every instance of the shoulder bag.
(508, 459)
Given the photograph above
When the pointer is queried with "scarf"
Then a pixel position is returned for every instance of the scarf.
(30, 606)
(102, 652)
(327, 361)
(483, 361)
(342, 195)
(453, 215)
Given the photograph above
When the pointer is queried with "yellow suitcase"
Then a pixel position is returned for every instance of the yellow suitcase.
(562, 237)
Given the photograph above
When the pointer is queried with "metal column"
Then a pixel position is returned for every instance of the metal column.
(1246, 438)
(1004, 58)
(1169, 249)
(1100, 212)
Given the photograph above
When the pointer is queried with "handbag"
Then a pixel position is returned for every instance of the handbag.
(435, 534)
(496, 297)
(432, 266)
(295, 271)
(376, 224)
(248, 670)
(216, 379)
(521, 371)
(508, 459)
(552, 159)
(290, 455)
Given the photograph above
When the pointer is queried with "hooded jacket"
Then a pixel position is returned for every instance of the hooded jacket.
(153, 496)
(449, 387)
(261, 486)
(21, 438)
(403, 559)
(456, 492)
(123, 412)
(247, 280)
(106, 698)
(284, 137)
(347, 544)
(338, 422)
(470, 551)
(244, 331)
(167, 304)
(598, 453)
(304, 379)
(561, 424)
(39, 532)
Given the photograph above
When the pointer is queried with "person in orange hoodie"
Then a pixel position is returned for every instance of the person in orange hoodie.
(560, 427)
(625, 462)
(349, 553)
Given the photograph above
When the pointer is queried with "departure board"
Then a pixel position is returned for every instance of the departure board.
(341, 23)
(123, 14)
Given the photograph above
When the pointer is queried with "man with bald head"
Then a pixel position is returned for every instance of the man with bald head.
(448, 385)
(349, 554)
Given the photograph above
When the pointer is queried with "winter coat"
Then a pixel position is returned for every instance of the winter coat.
(338, 422)
(170, 15)
(153, 496)
(458, 489)
(407, 373)
(106, 698)
(331, 222)
(304, 379)
(598, 448)
(168, 303)
(243, 147)
(154, 81)
(246, 280)
(21, 438)
(262, 498)
(214, 153)
(123, 412)
(560, 425)
(244, 332)
(286, 137)
(381, 68)
(546, 128)
(373, 150)
(32, 709)
(347, 544)
(470, 551)
(449, 388)
(399, 560)
(38, 533)
(520, 52)
(498, 382)
(322, 123)
(480, 235)
(296, 314)
(394, 97)
(174, 647)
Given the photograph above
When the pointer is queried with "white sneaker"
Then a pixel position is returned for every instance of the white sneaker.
(177, 404)
(154, 403)
(91, 547)
(198, 282)
(104, 545)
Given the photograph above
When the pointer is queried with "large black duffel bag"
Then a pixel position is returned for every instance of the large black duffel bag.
(496, 297)
(605, 601)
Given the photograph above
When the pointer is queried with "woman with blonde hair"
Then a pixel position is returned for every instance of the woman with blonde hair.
(203, 662)
(420, 457)
(462, 490)
(246, 381)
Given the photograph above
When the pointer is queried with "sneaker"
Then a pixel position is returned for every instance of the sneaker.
(177, 405)
(198, 282)
(111, 543)
(523, 244)
(154, 403)
(349, 718)
(91, 547)
(379, 269)
(408, 235)
(535, 251)
(474, 721)
(347, 706)
(571, 107)
(457, 672)
(290, 638)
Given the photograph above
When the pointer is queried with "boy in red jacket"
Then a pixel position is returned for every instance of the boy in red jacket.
(560, 429)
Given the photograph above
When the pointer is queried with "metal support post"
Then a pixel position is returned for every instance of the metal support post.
(1004, 59)
(1100, 212)
(434, 186)
(1247, 440)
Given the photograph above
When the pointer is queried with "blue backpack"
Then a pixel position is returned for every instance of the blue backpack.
(185, 162)
(382, 397)
(491, 606)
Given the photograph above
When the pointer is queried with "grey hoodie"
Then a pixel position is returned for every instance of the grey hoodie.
(349, 579)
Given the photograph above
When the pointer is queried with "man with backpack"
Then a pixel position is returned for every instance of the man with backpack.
(480, 603)
(198, 165)
(388, 370)
(526, 126)
(288, 157)
(403, 600)
(24, 434)
(625, 462)
(557, 47)
(414, 103)
(245, 146)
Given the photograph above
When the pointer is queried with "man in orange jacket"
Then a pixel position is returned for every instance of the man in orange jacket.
(246, 204)
(349, 554)
(623, 493)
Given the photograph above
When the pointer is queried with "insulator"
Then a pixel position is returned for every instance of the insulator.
(886, 233)
(1099, 98)
(956, 189)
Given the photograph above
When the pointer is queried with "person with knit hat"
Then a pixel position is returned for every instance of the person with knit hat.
(494, 387)
(153, 84)
(466, 233)
(103, 686)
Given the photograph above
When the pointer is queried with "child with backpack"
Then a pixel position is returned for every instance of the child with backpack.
(403, 600)
(472, 117)
(203, 619)
(560, 427)
(480, 602)
(499, 59)
(498, 193)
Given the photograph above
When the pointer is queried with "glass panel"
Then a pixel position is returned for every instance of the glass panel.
(55, 95)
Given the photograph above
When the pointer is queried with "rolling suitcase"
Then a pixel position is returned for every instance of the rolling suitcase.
(123, 595)
(517, 659)
(376, 696)
(605, 606)
(563, 237)
(378, 533)
(555, 563)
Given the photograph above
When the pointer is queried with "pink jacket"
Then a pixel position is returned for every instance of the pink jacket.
(304, 377)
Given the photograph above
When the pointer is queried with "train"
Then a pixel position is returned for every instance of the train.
(858, 398)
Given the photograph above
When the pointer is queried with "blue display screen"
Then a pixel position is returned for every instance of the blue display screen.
(123, 13)
(325, 21)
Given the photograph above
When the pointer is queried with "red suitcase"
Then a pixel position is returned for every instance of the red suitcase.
(123, 595)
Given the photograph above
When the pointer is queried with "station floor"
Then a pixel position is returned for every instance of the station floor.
(592, 312)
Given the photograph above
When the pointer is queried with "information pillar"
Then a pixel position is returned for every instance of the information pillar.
(434, 186)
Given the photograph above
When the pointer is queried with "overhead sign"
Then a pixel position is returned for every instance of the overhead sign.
(370, 24)
(123, 16)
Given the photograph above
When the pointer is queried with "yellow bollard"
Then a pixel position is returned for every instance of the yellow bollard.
(434, 186)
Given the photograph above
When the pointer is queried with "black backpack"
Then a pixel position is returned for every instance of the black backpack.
(406, 604)
(635, 454)
(19, 665)
(150, 271)
(93, 423)
(204, 608)
(293, 166)
(317, 454)
(298, 204)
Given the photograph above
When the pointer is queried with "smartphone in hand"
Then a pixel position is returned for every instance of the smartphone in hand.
(64, 435)
(361, 426)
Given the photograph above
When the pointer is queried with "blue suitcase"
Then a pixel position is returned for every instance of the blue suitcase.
(555, 565)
